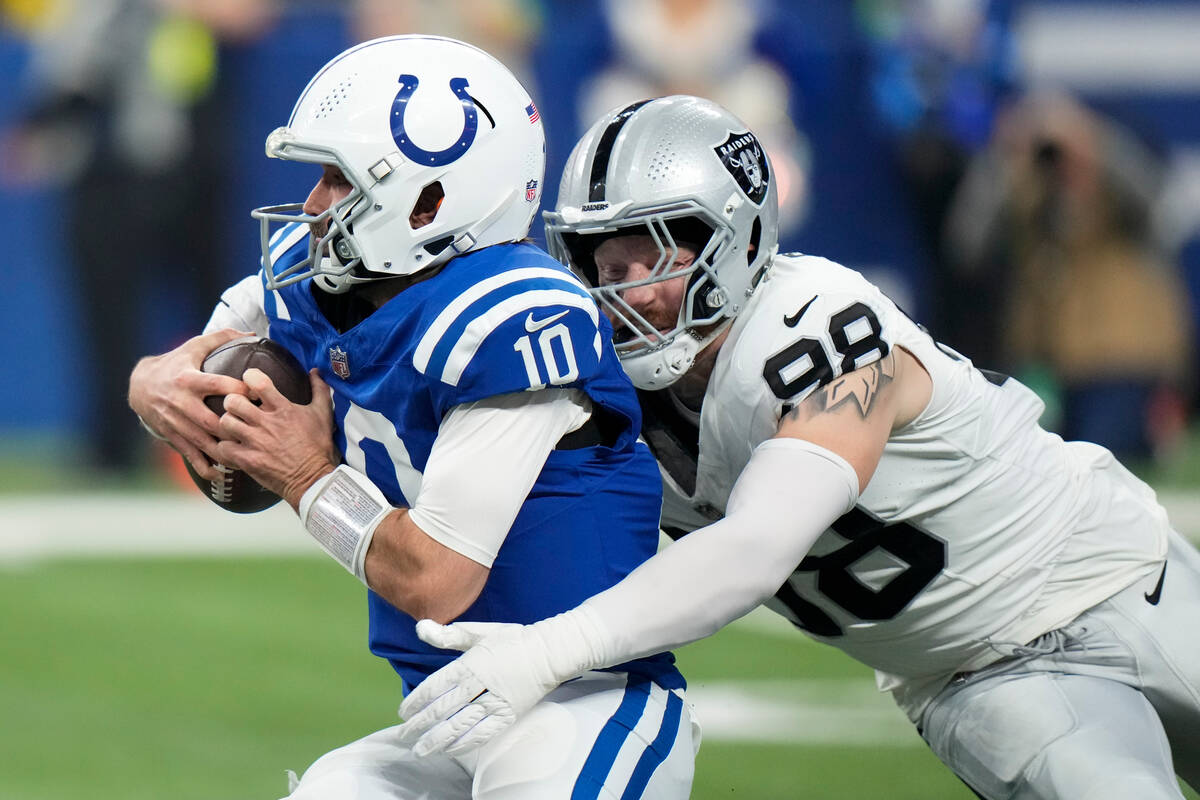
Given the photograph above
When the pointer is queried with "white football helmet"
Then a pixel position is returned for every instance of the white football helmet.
(682, 170)
(397, 115)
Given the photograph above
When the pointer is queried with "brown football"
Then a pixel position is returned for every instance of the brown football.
(235, 490)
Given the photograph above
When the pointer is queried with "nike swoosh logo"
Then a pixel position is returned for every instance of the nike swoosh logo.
(1156, 595)
(532, 325)
(793, 320)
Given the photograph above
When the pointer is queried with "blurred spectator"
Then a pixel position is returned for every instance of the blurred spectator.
(1057, 214)
(652, 48)
(124, 116)
(939, 70)
(504, 28)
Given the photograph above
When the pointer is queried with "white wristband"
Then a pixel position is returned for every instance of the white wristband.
(341, 511)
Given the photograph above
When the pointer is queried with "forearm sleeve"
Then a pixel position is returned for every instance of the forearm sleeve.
(790, 492)
(487, 456)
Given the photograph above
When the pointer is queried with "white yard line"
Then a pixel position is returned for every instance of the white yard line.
(832, 711)
(849, 712)
(35, 527)
(38, 527)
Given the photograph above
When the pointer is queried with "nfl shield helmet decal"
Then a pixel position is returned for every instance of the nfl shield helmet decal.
(339, 361)
(743, 156)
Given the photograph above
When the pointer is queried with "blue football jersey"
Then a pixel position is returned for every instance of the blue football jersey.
(504, 319)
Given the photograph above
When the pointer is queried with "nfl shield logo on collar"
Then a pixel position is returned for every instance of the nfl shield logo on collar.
(339, 361)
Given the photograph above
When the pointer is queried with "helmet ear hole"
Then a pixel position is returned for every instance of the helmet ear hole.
(429, 201)
(752, 245)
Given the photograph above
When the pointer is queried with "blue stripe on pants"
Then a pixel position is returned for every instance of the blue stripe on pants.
(614, 733)
(658, 750)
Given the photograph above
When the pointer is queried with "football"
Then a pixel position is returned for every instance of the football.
(235, 490)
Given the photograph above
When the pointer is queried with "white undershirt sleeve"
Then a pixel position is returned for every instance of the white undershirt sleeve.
(486, 458)
(241, 308)
(790, 492)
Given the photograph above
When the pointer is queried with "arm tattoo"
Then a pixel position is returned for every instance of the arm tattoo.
(863, 387)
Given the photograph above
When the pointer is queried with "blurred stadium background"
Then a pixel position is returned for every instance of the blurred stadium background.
(1022, 175)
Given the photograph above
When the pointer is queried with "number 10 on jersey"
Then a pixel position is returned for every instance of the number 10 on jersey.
(557, 363)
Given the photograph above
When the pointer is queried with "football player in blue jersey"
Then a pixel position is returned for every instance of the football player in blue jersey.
(1024, 599)
(472, 449)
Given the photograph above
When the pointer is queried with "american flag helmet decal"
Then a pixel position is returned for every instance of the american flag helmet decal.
(532, 111)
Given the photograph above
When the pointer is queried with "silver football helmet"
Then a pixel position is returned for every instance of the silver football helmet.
(681, 170)
(398, 115)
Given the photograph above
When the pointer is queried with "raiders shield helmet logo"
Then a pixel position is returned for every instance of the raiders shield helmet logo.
(743, 156)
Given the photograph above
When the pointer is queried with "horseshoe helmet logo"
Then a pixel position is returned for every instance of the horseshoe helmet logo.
(433, 158)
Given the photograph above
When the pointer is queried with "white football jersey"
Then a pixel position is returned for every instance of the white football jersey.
(979, 530)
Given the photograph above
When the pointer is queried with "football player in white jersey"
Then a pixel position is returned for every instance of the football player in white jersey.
(1024, 599)
(467, 401)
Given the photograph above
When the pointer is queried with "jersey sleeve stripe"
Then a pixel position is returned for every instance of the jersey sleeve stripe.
(482, 326)
(444, 320)
(286, 237)
(273, 301)
(282, 241)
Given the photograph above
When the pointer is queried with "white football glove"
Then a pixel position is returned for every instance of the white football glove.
(504, 672)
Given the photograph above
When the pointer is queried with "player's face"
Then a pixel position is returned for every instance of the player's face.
(632, 258)
(331, 188)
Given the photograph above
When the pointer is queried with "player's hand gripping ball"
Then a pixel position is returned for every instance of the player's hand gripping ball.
(235, 490)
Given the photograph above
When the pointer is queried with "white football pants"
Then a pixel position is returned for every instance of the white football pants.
(600, 737)
(1109, 709)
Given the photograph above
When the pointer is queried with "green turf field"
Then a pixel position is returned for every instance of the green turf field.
(207, 678)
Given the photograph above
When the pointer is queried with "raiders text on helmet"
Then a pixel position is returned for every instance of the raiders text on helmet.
(681, 170)
(398, 116)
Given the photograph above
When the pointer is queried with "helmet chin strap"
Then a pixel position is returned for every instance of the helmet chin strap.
(658, 369)
(464, 242)
(339, 283)
(334, 283)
